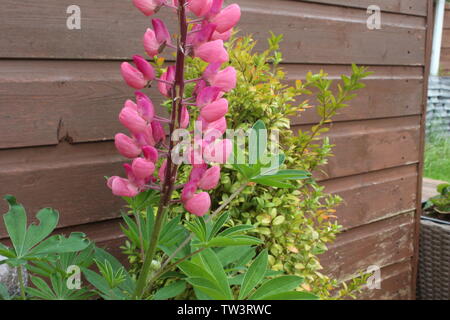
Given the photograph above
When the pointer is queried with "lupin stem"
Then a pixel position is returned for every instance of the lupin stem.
(171, 169)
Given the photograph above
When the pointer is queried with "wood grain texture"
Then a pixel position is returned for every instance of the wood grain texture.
(44, 102)
(381, 243)
(68, 178)
(370, 145)
(395, 283)
(413, 7)
(314, 33)
(374, 196)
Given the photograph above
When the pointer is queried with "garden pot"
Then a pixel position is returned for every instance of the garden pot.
(433, 282)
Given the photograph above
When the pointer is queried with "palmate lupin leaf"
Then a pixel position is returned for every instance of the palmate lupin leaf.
(31, 242)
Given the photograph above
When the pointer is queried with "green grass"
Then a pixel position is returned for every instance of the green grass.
(437, 158)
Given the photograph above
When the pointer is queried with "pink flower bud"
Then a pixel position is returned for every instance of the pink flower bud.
(162, 171)
(197, 172)
(210, 178)
(144, 67)
(133, 77)
(158, 131)
(184, 121)
(199, 204)
(144, 106)
(215, 8)
(142, 168)
(219, 151)
(126, 146)
(161, 32)
(122, 187)
(211, 71)
(169, 75)
(145, 137)
(207, 96)
(151, 44)
(212, 51)
(148, 7)
(200, 7)
(150, 153)
(189, 191)
(136, 181)
(203, 35)
(199, 87)
(132, 120)
(130, 104)
(214, 130)
(222, 36)
(225, 79)
(227, 18)
(215, 110)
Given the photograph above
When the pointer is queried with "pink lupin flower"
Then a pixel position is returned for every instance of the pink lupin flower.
(162, 171)
(151, 44)
(222, 36)
(133, 77)
(197, 172)
(145, 137)
(169, 75)
(227, 18)
(132, 120)
(211, 71)
(207, 95)
(158, 131)
(210, 178)
(202, 35)
(184, 121)
(213, 130)
(215, 110)
(150, 153)
(144, 106)
(216, 6)
(199, 7)
(148, 7)
(162, 33)
(126, 146)
(218, 151)
(142, 168)
(144, 67)
(189, 190)
(199, 204)
(212, 51)
(224, 79)
(122, 187)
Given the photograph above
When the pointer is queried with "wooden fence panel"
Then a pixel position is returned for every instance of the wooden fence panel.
(61, 90)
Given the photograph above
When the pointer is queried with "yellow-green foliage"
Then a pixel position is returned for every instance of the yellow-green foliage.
(296, 225)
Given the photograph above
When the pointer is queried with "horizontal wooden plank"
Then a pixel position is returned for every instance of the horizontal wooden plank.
(43, 102)
(380, 243)
(414, 7)
(395, 283)
(370, 145)
(314, 33)
(67, 178)
(374, 196)
(369, 103)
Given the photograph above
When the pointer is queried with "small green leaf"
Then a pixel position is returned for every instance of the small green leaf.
(292, 295)
(16, 224)
(170, 291)
(214, 266)
(255, 274)
(276, 286)
(233, 241)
